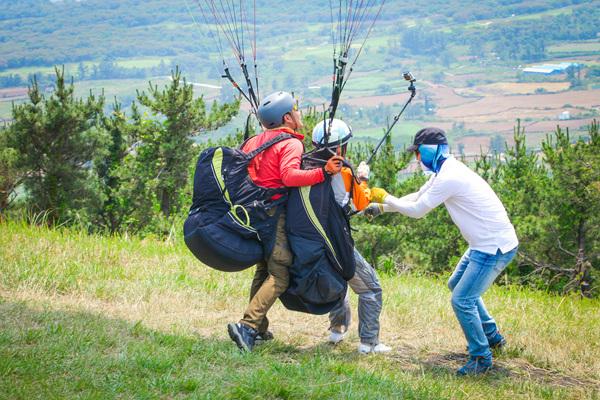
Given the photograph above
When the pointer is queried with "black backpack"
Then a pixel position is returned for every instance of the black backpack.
(231, 223)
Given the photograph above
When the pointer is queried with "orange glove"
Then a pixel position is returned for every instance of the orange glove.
(334, 165)
(378, 195)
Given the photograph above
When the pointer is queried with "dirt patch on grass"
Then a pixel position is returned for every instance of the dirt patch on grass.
(514, 368)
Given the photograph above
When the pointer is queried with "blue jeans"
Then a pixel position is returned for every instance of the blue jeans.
(366, 284)
(474, 274)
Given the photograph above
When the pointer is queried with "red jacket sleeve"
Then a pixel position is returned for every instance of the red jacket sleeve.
(289, 166)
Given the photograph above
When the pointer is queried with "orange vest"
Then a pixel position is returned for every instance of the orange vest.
(344, 184)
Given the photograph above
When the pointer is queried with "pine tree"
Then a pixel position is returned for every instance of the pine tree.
(56, 138)
(10, 175)
(109, 168)
(572, 209)
(169, 147)
(521, 189)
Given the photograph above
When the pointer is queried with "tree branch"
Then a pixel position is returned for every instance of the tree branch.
(540, 266)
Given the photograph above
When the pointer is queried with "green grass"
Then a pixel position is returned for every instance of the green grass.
(586, 46)
(120, 88)
(524, 17)
(103, 317)
(142, 62)
(71, 68)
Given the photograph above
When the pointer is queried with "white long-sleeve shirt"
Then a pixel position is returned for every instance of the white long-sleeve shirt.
(471, 203)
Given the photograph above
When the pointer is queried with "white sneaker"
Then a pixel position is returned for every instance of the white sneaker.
(336, 337)
(381, 348)
(377, 349)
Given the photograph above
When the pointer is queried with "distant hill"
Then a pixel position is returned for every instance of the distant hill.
(460, 51)
(43, 33)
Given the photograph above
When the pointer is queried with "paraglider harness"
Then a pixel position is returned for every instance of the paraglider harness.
(323, 249)
(232, 221)
(320, 237)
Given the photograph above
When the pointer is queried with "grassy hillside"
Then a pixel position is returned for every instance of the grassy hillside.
(96, 317)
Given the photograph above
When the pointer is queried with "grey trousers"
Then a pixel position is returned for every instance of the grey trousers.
(366, 284)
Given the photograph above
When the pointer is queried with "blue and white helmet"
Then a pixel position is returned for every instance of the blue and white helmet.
(340, 133)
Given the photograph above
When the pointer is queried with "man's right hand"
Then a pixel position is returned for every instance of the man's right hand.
(373, 210)
(333, 165)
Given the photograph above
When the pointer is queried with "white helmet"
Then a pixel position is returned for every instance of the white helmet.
(340, 133)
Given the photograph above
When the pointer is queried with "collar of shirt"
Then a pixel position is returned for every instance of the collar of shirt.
(285, 129)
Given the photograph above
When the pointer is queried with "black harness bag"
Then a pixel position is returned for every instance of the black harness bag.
(231, 223)
(320, 238)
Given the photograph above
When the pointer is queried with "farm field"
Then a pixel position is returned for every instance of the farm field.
(510, 88)
(484, 98)
(124, 90)
(485, 110)
(71, 68)
(495, 105)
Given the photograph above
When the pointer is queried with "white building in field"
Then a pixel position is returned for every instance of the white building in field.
(549, 69)
(565, 115)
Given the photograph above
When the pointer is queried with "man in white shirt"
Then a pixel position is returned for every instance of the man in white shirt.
(482, 221)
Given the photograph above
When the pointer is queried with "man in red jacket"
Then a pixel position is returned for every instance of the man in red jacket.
(276, 167)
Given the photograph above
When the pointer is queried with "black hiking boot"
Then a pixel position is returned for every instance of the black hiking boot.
(242, 335)
(264, 336)
(475, 366)
(497, 342)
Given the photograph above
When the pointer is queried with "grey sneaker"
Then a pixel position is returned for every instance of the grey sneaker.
(242, 335)
(379, 348)
(336, 337)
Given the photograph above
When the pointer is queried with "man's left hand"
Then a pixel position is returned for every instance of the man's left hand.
(363, 171)
(378, 195)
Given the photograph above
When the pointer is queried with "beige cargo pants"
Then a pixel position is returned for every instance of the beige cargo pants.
(271, 279)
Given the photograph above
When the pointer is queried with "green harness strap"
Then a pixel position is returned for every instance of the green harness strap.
(217, 164)
(305, 196)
